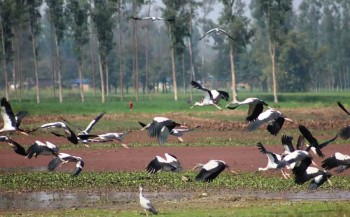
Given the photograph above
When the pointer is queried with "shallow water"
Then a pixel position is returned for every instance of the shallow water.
(57, 200)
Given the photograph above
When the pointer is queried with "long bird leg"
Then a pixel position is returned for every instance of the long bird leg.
(285, 174)
(313, 162)
(330, 183)
(218, 107)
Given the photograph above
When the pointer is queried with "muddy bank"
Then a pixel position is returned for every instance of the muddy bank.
(81, 199)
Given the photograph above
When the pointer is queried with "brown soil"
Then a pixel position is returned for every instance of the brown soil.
(240, 158)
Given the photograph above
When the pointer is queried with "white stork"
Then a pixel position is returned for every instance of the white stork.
(273, 117)
(16, 147)
(212, 97)
(216, 30)
(152, 18)
(211, 170)
(170, 163)
(70, 134)
(63, 158)
(273, 160)
(146, 204)
(84, 134)
(303, 173)
(339, 160)
(177, 132)
(160, 128)
(345, 132)
(107, 137)
(39, 147)
(296, 157)
(256, 107)
(313, 141)
(11, 121)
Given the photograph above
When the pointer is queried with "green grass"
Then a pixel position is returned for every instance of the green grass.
(216, 209)
(164, 103)
(129, 181)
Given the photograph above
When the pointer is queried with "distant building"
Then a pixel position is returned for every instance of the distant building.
(76, 82)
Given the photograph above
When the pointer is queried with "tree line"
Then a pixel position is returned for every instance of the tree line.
(274, 47)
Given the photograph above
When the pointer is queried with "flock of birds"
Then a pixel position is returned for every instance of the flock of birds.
(297, 159)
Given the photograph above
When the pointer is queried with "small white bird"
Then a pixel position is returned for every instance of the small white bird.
(216, 30)
(170, 163)
(256, 107)
(11, 122)
(146, 204)
(339, 160)
(63, 158)
(273, 117)
(39, 147)
(211, 170)
(211, 97)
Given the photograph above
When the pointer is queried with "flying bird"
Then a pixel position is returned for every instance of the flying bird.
(11, 122)
(39, 147)
(212, 97)
(273, 160)
(71, 136)
(216, 30)
(152, 18)
(63, 158)
(177, 132)
(303, 173)
(170, 163)
(160, 128)
(256, 107)
(273, 117)
(339, 160)
(211, 170)
(313, 141)
(107, 137)
(345, 132)
(146, 204)
(16, 147)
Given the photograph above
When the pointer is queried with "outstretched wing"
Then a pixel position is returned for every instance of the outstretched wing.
(343, 108)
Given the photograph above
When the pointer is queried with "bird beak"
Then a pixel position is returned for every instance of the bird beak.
(180, 139)
(233, 172)
(125, 145)
(288, 119)
(195, 167)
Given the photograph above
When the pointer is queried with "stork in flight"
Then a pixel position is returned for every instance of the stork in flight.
(152, 18)
(345, 132)
(314, 145)
(217, 31)
(17, 148)
(11, 121)
(70, 134)
(212, 97)
(273, 117)
(211, 170)
(160, 128)
(256, 107)
(170, 163)
(339, 160)
(63, 158)
(39, 147)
